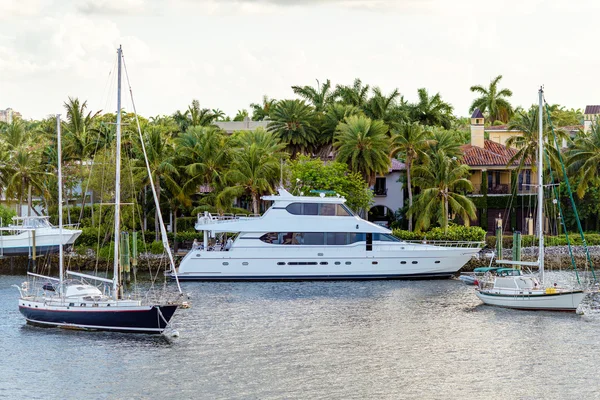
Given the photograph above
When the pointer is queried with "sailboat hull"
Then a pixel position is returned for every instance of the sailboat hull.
(562, 301)
(137, 319)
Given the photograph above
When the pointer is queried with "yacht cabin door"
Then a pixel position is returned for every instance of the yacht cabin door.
(369, 243)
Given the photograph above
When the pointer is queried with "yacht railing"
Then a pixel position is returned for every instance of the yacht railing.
(397, 246)
(448, 243)
(205, 219)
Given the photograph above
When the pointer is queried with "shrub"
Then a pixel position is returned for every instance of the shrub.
(156, 248)
(453, 233)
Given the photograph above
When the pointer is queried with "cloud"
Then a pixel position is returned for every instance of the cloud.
(21, 8)
(111, 7)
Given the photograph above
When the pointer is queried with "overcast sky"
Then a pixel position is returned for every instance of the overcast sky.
(229, 53)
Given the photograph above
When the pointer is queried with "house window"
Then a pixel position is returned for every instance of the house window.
(380, 189)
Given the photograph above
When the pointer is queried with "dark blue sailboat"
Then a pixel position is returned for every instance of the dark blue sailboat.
(76, 304)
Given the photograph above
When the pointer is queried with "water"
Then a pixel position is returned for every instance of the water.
(311, 340)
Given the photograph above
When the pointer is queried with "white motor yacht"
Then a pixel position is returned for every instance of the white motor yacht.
(301, 238)
(29, 234)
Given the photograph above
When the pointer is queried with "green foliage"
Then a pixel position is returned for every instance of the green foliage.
(364, 145)
(493, 101)
(317, 175)
(156, 247)
(453, 233)
(6, 214)
(592, 239)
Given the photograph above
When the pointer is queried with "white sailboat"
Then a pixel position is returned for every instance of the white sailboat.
(509, 287)
(74, 303)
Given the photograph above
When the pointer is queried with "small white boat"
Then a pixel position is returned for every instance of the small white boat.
(34, 234)
(508, 287)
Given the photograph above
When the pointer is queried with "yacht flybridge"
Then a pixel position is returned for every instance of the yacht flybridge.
(302, 238)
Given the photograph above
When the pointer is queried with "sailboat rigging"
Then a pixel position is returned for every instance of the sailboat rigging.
(510, 288)
(75, 304)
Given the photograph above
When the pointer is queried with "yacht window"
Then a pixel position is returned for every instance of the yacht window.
(298, 238)
(271, 237)
(385, 237)
(336, 239)
(319, 209)
(294, 208)
(342, 211)
(311, 209)
(314, 238)
(402, 262)
(356, 237)
(324, 263)
(327, 209)
(337, 263)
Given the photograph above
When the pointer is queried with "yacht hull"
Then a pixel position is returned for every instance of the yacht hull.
(46, 241)
(432, 262)
(137, 319)
(562, 301)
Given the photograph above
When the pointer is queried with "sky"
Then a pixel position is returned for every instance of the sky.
(229, 53)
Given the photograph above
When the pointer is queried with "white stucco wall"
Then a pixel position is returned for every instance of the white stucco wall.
(395, 194)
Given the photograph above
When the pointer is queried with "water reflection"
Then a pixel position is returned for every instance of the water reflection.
(340, 340)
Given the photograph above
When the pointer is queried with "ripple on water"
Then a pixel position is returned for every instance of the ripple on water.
(334, 340)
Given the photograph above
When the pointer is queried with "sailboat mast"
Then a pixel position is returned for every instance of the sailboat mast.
(117, 182)
(60, 206)
(540, 210)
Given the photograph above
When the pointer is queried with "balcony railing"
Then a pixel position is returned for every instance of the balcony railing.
(380, 191)
(505, 189)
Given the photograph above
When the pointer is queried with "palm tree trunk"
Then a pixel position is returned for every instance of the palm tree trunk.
(255, 202)
(29, 200)
(156, 221)
(445, 211)
(175, 246)
(410, 197)
(20, 214)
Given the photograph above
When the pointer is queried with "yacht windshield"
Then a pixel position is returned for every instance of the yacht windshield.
(328, 209)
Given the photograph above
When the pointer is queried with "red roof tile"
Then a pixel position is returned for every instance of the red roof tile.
(397, 165)
(493, 154)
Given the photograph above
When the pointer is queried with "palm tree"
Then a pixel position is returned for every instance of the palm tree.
(161, 158)
(441, 180)
(24, 172)
(493, 101)
(203, 155)
(527, 143)
(584, 158)
(447, 140)
(410, 142)
(80, 138)
(261, 111)
(364, 145)
(432, 111)
(334, 115)
(241, 115)
(320, 97)
(292, 121)
(355, 95)
(254, 170)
